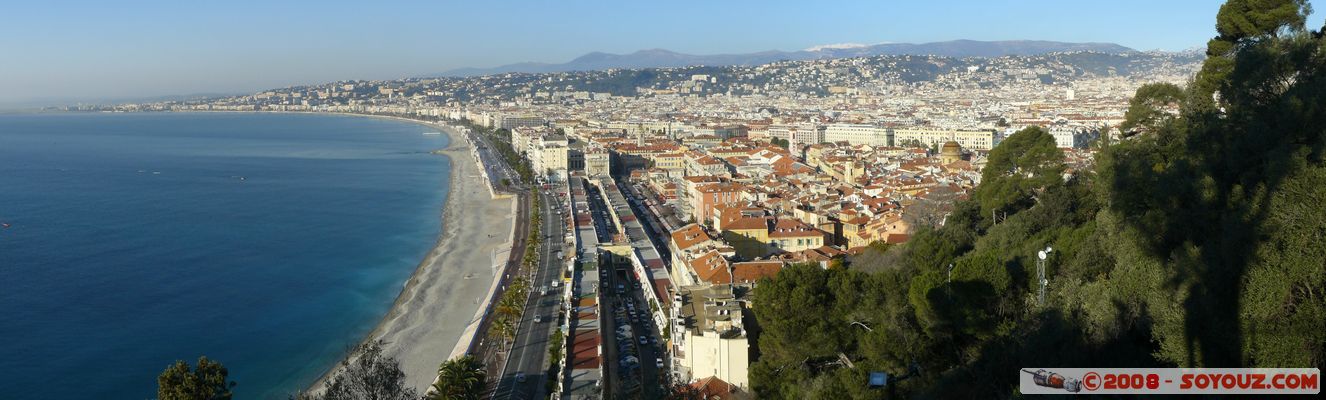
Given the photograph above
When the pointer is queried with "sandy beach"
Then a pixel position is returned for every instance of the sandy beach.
(441, 299)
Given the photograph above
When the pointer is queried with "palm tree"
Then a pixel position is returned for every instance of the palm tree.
(509, 306)
(461, 378)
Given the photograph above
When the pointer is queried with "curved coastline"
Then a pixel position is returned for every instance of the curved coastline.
(422, 328)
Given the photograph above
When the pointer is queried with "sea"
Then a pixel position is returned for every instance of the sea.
(271, 243)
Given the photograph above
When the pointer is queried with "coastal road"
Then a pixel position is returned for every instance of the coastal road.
(488, 350)
(529, 355)
(496, 165)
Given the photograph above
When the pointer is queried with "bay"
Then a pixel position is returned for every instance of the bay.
(268, 242)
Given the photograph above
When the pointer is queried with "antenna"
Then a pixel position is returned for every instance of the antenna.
(1041, 257)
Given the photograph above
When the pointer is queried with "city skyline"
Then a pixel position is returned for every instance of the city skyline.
(90, 52)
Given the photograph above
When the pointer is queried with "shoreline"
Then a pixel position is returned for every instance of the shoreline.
(437, 306)
(409, 329)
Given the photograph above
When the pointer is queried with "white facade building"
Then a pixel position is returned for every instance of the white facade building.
(708, 337)
(969, 139)
(857, 134)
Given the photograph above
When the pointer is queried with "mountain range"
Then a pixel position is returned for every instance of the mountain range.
(660, 58)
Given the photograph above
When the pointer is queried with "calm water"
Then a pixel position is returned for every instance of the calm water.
(134, 242)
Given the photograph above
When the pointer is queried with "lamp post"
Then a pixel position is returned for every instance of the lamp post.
(1041, 257)
(948, 284)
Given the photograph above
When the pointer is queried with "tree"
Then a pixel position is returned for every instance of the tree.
(931, 209)
(1018, 170)
(1242, 19)
(1196, 244)
(205, 382)
(1150, 108)
(1237, 23)
(367, 374)
(555, 344)
(684, 391)
(460, 378)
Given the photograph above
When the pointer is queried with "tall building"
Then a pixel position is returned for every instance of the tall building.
(515, 121)
(598, 162)
(549, 157)
(709, 338)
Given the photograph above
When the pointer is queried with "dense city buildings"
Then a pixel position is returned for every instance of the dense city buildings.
(697, 182)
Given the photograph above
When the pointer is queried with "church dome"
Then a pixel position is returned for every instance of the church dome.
(950, 152)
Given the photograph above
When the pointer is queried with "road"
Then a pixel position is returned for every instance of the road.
(493, 353)
(627, 307)
(498, 170)
(529, 354)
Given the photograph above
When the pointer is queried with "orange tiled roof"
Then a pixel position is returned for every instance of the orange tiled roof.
(751, 271)
(711, 267)
(689, 235)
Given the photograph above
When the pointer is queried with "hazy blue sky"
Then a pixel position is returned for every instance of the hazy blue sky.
(54, 51)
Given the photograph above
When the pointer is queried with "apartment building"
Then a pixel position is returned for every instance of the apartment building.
(709, 338)
(859, 134)
(969, 139)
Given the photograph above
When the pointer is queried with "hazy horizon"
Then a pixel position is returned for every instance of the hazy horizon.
(73, 52)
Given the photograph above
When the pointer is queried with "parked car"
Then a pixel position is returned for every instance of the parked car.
(643, 340)
(658, 362)
(520, 377)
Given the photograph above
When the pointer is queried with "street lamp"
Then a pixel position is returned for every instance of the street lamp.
(1041, 257)
(948, 284)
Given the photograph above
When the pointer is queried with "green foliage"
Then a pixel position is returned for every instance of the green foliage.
(1018, 170)
(460, 378)
(1197, 244)
(555, 344)
(368, 373)
(1148, 108)
(779, 142)
(1240, 19)
(205, 382)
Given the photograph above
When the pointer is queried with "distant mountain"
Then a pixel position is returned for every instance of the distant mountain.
(659, 58)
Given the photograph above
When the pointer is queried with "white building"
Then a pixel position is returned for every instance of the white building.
(969, 139)
(598, 162)
(708, 336)
(523, 138)
(515, 121)
(549, 157)
(857, 134)
(1072, 137)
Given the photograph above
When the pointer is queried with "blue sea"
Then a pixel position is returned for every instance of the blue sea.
(268, 242)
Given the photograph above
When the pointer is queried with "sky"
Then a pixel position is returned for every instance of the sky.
(60, 52)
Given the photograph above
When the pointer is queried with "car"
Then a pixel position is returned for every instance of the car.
(538, 319)
(520, 377)
(658, 362)
(643, 340)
